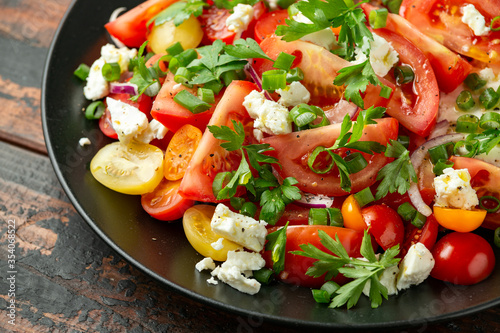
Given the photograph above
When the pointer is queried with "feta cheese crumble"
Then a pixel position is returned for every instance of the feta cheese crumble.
(218, 244)
(155, 130)
(324, 38)
(205, 264)
(270, 117)
(239, 228)
(453, 190)
(294, 94)
(382, 55)
(84, 142)
(388, 279)
(126, 120)
(475, 20)
(415, 267)
(239, 20)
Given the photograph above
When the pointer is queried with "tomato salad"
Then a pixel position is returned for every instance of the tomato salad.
(352, 148)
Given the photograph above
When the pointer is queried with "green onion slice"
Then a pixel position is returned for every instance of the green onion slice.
(331, 287)
(465, 101)
(294, 74)
(440, 166)
(418, 220)
(364, 197)
(404, 74)
(311, 161)
(407, 211)
(175, 49)
(466, 148)
(183, 75)
(496, 237)
(490, 120)
(489, 98)
(318, 216)
(378, 18)
(248, 209)
(284, 61)
(263, 275)
(206, 95)
(191, 102)
(95, 110)
(467, 123)
(493, 24)
(220, 181)
(237, 202)
(441, 152)
(335, 217)
(492, 204)
(111, 71)
(82, 72)
(321, 296)
(355, 162)
(274, 79)
(474, 81)
(385, 92)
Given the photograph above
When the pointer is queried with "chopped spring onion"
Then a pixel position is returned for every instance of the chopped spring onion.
(191, 102)
(228, 77)
(378, 18)
(274, 79)
(237, 202)
(419, 220)
(494, 26)
(220, 180)
(294, 74)
(355, 162)
(321, 169)
(474, 81)
(318, 216)
(407, 211)
(441, 152)
(214, 85)
(321, 296)
(465, 101)
(82, 72)
(248, 209)
(492, 204)
(385, 92)
(183, 75)
(284, 61)
(175, 49)
(467, 123)
(285, 3)
(466, 148)
(111, 71)
(393, 5)
(95, 110)
(440, 166)
(331, 287)
(490, 120)
(404, 140)
(489, 98)
(206, 95)
(182, 59)
(364, 197)
(404, 74)
(263, 275)
(303, 115)
(496, 237)
(335, 217)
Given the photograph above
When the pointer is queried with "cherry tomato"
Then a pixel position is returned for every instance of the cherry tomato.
(351, 213)
(131, 169)
(130, 28)
(294, 161)
(462, 258)
(210, 158)
(266, 25)
(296, 265)
(188, 34)
(442, 21)
(449, 67)
(461, 220)
(427, 235)
(196, 223)
(165, 203)
(385, 224)
(180, 151)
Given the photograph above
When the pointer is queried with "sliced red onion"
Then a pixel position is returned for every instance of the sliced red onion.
(113, 17)
(256, 79)
(315, 201)
(123, 88)
(440, 129)
(417, 158)
(337, 112)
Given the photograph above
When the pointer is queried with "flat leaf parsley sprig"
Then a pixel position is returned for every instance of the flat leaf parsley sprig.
(273, 196)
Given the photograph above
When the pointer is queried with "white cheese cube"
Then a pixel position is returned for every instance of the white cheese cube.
(96, 87)
(294, 94)
(475, 20)
(205, 264)
(324, 38)
(122, 56)
(239, 228)
(84, 142)
(128, 121)
(270, 117)
(415, 267)
(218, 244)
(239, 20)
(453, 190)
(155, 130)
(387, 279)
(253, 102)
(382, 55)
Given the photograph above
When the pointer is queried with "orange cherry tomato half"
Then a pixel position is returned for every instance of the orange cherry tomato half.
(460, 220)
(180, 150)
(351, 212)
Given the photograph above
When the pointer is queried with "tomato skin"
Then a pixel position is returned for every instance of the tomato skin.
(441, 20)
(172, 115)
(351, 213)
(419, 115)
(296, 265)
(449, 67)
(462, 258)
(461, 220)
(266, 25)
(210, 158)
(130, 28)
(165, 203)
(385, 224)
(427, 235)
(180, 151)
(294, 161)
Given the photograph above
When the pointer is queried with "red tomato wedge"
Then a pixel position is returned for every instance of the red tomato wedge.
(415, 106)
(296, 265)
(165, 203)
(442, 21)
(292, 150)
(130, 28)
(210, 158)
(485, 179)
(385, 224)
(449, 67)
(320, 68)
(427, 235)
(266, 25)
(172, 115)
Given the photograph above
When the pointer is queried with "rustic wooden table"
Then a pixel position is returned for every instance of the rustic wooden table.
(66, 278)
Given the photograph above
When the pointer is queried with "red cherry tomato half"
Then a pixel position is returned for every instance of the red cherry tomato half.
(462, 258)
(266, 25)
(427, 235)
(165, 203)
(385, 224)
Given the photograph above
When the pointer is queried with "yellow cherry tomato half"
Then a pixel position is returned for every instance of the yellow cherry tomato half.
(460, 220)
(196, 223)
(351, 213)
(188, 33)
(135, 168)
(180, 150)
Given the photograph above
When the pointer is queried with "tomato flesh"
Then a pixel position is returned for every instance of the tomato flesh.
(266, 25)
(385, 224)
(427, 235)
(180, 150)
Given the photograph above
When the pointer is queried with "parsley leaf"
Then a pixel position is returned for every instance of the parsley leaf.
(230, 4)
(146, 79)
(361, 271)
(234, 137)
(179, 12)
(484, 142)
(396, 176)
(244, 49)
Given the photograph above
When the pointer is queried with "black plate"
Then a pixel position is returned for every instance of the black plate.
(161, 249)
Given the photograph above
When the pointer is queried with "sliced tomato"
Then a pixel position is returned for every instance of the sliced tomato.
(294, 160)
(130, 28)
(385, 224)
(180, 150)
(449, 67)
(414, 105)
(485, 179)
(296, 265)
(320, 68)
(165, 203)
(442, 21)
(266, 25)
(143, 103)
(213, 23)
(427, 235)
(210, 158)
(172, 115)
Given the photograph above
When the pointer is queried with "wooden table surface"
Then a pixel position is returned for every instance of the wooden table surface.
(67, 279)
